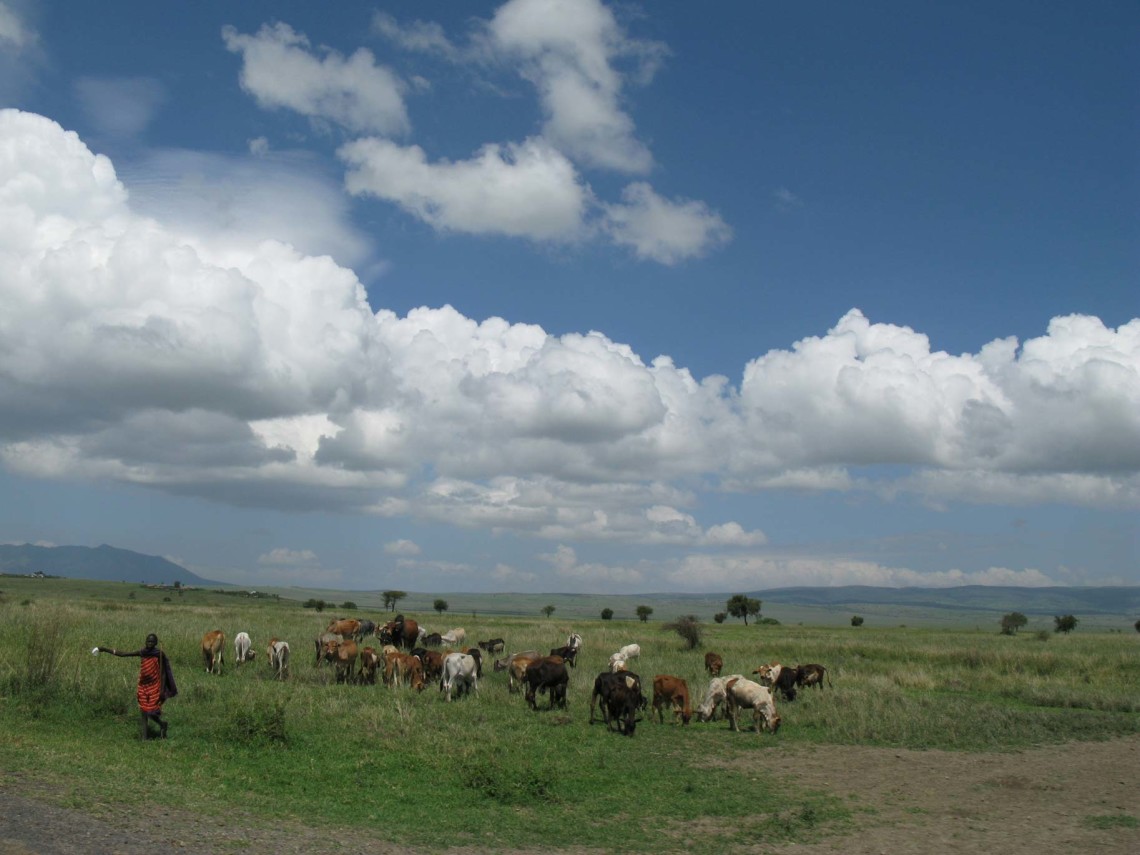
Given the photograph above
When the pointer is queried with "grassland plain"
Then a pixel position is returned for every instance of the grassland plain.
(484, 772)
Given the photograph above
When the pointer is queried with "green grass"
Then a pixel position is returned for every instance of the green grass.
(482, 770)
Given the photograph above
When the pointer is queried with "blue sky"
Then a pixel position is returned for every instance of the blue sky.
(555, 295)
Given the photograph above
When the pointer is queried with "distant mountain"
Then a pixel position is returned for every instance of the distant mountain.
(102, 562)
(1043, 601)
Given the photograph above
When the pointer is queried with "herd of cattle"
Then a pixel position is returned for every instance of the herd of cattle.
(617, 695)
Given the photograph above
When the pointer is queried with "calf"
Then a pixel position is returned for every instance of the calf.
(629, 651)
(243, 648)
(568, 653)
(459, 673)
(621, 697)
(811, 675)
(410, 671)
(779, 677)
(369, 665)
(320, 642)
(670, 691)
(745, 694)
(547, 675)
(278, 652)
(713, 664)
(213, 643)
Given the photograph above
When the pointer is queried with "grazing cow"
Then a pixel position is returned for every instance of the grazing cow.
(630, 651)
(566, 652)
(409, 670)
(320, 642)
(714, 697)
(492, 645)
(433, 664)
(433, 639)
(745, 694)
(670, 691)
(476, 654)
(243, 648)
(401, 632)
(811, 675)
(279, 658)
(346, 628)
(369, 664)
(515, 665)
(366, 627)
(779, 677)
(621, 697)
(454, 637)
(713, 664)
(547, 674)
(343, 654)
(574, 640)
(460, 673)
(618, 664)
(213, 644)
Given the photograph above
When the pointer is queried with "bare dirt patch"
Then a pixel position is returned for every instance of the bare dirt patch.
(1076, 797)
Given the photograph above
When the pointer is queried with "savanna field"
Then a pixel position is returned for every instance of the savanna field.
(484, 769)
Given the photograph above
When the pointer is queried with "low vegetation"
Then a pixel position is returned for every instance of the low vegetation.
(384, 759)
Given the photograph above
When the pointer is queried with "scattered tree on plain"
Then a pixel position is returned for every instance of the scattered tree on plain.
(720, 617)
(548, 610)
(311, 603)
(1012, 622)
(856, 620)
(741, 606)
(393, 597)
(348, 605)
(608, 614)
(689, 628)
(1064, 623)
(440, 606)
(643, 612)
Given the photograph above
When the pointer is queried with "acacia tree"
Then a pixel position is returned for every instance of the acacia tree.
(440, 606)
(608, 614)
(393, 597)
(643, 612)
(1012, 622)
(741, 606)
(856, 620)
(548, 610)
(1064, 623)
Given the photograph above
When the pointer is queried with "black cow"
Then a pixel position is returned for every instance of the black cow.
(433, 639)
(547, 675)
(621, 697)
(366, 627)
(493, 645)
(567, 652)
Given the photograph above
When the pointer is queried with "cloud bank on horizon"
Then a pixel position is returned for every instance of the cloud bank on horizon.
(142, 345)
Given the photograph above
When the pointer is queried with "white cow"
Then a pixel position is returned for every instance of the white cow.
(617, 663)
(574, 642)
(279, 658)
(243, 648)
(715, 696)
(454, 637)
(630, 651)
(460, 671)
(747, 694)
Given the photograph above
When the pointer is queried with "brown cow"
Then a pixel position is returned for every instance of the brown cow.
(346, 629)
(713, 664)
(319, 643)
(811, 675)
(516, 668)
(410, 671)
(433, 664)
(213, 645)
(343, 655)
(670, 691)
(402, 632)
(369, 662)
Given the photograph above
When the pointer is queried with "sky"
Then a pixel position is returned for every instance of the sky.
(573, 296)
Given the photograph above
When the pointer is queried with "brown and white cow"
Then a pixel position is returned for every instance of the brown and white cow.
(715, 696)
(780, 678)
(213, 646)
(673, 692)
(811, 675)
(746, 694)
(515, 666)
(278, 652)
(369, 665)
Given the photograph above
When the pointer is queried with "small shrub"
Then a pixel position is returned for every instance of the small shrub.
(259, 725)
(689, 628)
(1042, 635)
(720, 617)
(608, 614)
(856, 620)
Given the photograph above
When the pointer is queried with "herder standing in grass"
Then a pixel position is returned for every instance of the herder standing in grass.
(156, 684)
